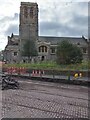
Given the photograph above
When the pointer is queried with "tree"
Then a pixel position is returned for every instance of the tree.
(68, 53)
(29, 49)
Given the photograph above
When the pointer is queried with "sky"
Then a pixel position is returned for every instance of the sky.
(56, 18)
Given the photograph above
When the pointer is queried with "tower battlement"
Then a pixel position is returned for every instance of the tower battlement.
(29, 3)
(28, 28)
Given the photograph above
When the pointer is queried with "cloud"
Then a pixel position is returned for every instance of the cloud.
(8, 24)
(56, 17)
(64, 20)
(49, 25)
(69, 14)
(10, 18)
(57, 29)
(80, 20)
(12, 29)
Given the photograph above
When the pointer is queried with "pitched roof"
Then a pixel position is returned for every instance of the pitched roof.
(16, 36)
(55, 40)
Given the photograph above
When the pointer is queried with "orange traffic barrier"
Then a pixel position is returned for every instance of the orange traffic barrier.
(23, 70)
(33, 73)
(37, 73)
(9, 70)
(43, 72)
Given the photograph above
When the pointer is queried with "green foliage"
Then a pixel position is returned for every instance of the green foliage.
(68, 53)
(29, 49)
(52, 66)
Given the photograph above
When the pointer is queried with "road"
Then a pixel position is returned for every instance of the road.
(36, 99)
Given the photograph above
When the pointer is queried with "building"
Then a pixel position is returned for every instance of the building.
(28, 30)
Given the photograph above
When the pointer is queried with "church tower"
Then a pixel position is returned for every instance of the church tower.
(28, 28)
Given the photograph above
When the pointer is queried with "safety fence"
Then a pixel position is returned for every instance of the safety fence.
(69, 75)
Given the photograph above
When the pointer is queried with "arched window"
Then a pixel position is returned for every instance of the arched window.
(25, 11)
(43, 49)
(31, 12)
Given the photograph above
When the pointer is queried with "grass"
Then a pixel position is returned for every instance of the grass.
(52, 65)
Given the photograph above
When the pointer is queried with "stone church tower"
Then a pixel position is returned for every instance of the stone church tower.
(28, 28)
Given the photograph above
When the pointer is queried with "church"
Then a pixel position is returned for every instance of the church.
(28, 30)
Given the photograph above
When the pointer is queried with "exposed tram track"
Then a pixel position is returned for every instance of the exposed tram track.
(27, 87)
(58, 85)
(51, 99)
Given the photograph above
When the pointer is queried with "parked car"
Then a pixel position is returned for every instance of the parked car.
(8, 82)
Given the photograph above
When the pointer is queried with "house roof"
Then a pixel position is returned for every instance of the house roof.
(55, 40)
(16, 37)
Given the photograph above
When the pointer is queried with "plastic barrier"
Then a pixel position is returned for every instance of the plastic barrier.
(37, 73)
(9, 70)
(80, 75)
(21, 70)
(12, 70)
(34, 73)
(77, 75)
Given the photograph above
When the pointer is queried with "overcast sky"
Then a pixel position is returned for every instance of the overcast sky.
(56, 18)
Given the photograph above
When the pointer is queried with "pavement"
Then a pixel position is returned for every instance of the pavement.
(36, 99)
(52, 76)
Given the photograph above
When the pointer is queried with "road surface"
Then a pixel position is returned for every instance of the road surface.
(36, 99)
